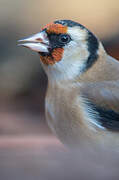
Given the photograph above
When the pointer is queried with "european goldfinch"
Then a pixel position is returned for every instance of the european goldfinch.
(82, 101)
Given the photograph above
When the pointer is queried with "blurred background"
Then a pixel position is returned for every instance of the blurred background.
(28, 150)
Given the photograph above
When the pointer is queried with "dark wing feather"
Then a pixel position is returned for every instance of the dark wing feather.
(103, 97)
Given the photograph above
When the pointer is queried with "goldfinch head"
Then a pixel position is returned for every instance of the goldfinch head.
(64, 44)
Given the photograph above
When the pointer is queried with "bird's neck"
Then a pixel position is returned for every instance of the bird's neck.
(61, 73)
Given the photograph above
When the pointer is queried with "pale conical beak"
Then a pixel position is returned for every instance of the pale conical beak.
(38, 42)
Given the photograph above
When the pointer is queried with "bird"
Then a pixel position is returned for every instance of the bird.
(82, 99)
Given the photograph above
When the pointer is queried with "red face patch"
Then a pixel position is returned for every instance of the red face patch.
(55, 28)
(56, 56)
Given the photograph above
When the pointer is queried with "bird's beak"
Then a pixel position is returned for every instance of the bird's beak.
(38, 42)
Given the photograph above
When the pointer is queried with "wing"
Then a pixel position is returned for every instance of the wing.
(103, 97)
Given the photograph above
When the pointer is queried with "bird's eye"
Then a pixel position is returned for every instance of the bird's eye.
(64, 38)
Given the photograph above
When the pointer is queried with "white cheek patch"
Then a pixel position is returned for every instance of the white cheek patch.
(70, 49)
(76, 54)
(78, 44)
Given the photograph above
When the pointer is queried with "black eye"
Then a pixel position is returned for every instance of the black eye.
(64, 38)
